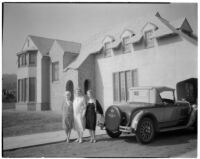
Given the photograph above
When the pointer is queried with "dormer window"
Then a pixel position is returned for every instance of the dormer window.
(126, 45)
(107, 49)
(149, 41)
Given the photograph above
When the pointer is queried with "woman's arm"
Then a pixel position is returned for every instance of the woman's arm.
(84, 106)
(99, 107)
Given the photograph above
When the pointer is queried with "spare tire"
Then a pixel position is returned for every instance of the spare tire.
(113, 118)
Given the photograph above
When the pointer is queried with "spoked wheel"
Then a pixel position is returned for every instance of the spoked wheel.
(113, 134)
(145, 131)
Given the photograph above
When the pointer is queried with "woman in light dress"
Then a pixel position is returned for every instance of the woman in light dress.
(67, 115)
(79, 106)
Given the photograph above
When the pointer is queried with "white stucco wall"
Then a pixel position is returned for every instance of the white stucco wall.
(168, 62)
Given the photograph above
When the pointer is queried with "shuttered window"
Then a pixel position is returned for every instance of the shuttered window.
(122, 81)
(32, 89)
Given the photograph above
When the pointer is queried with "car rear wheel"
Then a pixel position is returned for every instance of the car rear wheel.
(113, 134)
(145, 131)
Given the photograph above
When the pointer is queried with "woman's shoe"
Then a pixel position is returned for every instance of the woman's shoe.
(94, 141)
(91, 140)
(77, 140)
(80, 141)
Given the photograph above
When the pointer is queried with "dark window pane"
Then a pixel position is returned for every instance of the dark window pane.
(32, 89)
(116, 86)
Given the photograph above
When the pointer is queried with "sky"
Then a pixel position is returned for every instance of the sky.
(75, 22)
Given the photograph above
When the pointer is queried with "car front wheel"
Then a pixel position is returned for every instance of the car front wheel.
(113, 134)
(145, 131)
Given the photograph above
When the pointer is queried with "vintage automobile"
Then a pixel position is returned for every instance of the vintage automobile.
(149, 110)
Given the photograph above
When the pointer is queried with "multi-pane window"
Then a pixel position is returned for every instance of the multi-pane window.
(32, 58)
(149, 41)
(107, 49)
(55, 71)
(122, 81)
(126, 45)
(26, 89)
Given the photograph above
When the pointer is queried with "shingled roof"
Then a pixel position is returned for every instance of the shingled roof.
(94, 44)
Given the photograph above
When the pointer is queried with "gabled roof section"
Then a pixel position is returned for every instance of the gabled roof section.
(182, 24)
(69, 46)
(43, 44)
(94, 44)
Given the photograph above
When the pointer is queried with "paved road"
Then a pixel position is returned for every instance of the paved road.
(171, 144)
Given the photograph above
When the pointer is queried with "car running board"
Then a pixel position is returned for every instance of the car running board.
(174, 128)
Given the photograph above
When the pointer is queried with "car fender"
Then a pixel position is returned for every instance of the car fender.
(139, 116)
(136, 119)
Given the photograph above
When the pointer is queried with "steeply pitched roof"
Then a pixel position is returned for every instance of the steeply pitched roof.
(43, 44)
(69, 46)
(94, 44)
(181, 23)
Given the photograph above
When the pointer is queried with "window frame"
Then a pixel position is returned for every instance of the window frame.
(149, 41)
(54, 76)
(29, 58)
(133, 82)
(126, 47)
(107, 49)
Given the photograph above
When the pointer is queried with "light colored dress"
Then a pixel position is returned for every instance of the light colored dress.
(79, 107)
(67, 112)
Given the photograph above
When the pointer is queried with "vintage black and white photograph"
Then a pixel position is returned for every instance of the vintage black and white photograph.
(99, 80)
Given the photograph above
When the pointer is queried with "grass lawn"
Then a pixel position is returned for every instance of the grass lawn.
(16, 123)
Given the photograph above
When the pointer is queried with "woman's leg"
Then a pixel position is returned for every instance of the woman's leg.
(90, 135)
(81, 136)
(94, 140)
(67, 139)
(78, 136)
(69, 132)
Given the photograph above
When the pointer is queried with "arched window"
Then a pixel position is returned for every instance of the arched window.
(70, 87)
(87, 86)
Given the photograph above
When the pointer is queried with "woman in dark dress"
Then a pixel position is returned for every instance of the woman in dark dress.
(93, 107)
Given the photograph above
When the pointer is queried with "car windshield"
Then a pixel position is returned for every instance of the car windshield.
(167, 96)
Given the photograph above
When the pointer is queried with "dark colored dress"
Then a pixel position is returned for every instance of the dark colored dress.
(91, 116)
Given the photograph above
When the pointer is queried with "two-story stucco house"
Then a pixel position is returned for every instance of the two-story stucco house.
(149, 51)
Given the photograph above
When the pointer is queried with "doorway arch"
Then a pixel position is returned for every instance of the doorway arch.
(87, 86)
(70, 87)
